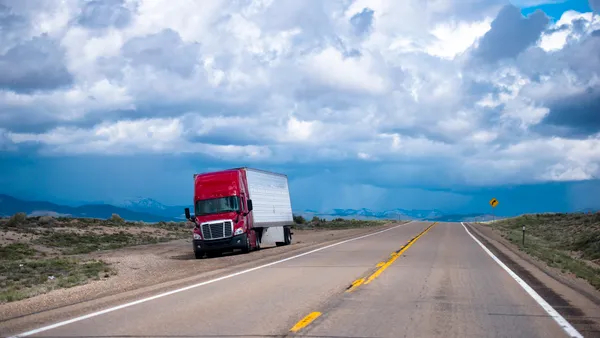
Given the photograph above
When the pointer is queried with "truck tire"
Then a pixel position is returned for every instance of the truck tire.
(287, 235)
(247, 247)
(199, 254)
(257, 243)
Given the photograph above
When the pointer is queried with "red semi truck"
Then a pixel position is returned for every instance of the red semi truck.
(240, 208)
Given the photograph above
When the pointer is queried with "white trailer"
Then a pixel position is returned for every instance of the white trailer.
(272, 207)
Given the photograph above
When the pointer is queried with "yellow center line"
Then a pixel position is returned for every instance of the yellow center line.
(305, 321)
(356, 284)
(384, 265)
(395, 256)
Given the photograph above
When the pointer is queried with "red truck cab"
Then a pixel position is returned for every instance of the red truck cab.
(222, 213)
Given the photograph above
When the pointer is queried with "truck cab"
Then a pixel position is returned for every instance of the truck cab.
(223, 212)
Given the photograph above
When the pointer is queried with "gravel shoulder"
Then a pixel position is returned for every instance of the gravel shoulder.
(145, 270)
(574, 298)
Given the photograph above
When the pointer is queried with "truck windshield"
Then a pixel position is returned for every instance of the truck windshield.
(217, 205)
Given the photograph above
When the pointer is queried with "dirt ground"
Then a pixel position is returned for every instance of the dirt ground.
(164, 264)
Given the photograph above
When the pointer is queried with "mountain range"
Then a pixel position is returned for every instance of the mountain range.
(10, 205)
(150, 210)
(396, 214)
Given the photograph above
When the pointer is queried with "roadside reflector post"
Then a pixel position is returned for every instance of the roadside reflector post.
(523, 235)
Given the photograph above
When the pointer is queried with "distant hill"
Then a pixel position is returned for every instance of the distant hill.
(10, 205)
(151, 206)
(396, 214)
(463, 218)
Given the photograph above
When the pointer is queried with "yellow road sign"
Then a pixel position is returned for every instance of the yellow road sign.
(494, 202)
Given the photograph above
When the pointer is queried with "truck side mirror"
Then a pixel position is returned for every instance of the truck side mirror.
(249, 205)
(187, 213)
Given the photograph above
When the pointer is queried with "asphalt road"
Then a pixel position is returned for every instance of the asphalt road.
(441, 284)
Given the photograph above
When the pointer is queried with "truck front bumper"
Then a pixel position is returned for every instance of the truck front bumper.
(235, 242)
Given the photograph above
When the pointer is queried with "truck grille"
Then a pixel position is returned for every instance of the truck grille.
(217, 230)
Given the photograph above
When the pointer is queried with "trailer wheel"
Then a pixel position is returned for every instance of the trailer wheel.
(257, 247)
(287, 235)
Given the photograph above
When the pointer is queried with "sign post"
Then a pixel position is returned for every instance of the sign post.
(494, 203)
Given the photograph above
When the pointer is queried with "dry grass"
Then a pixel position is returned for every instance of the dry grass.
(570, 242)
(39, 254)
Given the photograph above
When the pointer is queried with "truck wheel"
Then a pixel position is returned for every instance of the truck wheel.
(199, 254)
(287, 234)
(247, 247)
(287, 237)
(257, 243)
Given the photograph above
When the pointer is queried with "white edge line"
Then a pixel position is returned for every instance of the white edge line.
(143, 300)
(560, 320)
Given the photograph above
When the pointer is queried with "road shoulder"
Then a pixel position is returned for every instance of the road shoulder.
(574, 299)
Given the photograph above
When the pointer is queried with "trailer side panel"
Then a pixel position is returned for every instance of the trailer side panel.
(270, 198)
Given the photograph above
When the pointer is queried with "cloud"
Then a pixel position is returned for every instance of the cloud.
(511, 33)
(34, 65)
(164, 51)
(400, 94)
(566, 79)
(127, 137)
(103, 14)
(362, 21)
(578, 112)
(332, 69)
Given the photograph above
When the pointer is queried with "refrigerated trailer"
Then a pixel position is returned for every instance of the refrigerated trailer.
(240, 209)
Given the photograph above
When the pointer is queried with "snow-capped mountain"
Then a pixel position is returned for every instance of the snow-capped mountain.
(149, 205)
(10, 205)
(142, 203)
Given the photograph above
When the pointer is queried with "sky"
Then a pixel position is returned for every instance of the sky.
(379, 104)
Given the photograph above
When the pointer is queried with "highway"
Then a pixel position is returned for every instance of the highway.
(419, 279)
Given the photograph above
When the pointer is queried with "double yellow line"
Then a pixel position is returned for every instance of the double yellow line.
(384, 265)
(366, 280)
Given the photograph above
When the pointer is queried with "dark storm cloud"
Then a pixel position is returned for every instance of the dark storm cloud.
(510, 34)
(98, 14)
(34, 65)
(163, 50)
(576, 115)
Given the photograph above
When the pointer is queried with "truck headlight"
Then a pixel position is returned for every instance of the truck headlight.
(197, 236)
(239, 231)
